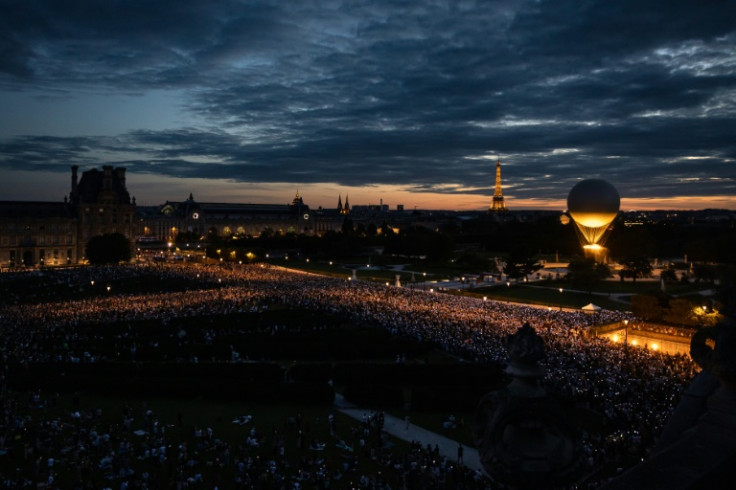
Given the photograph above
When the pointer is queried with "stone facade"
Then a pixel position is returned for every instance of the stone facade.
(37, 234)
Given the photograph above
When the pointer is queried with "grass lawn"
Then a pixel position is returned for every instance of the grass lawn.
(373, 273)
(271, 423)
(550, 297)
(630, 287)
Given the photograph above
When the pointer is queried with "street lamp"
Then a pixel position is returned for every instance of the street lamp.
(560, 299)
(626, 333)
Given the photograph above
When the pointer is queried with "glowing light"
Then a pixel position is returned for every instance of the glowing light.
(615, 338)
(655, 346)
(634, 342)
(593, 204)
(593, 247)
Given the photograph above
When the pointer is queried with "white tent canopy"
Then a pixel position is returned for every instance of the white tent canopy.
(591, 308)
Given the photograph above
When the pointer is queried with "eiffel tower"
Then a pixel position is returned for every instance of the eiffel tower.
(498, 205)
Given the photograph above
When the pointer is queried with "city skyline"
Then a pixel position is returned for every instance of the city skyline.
(409, 104)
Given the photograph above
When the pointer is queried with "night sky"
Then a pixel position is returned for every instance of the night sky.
(411, 102)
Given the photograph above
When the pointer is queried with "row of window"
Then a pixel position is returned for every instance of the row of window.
(28, 258)
(111, 219)
(13, 240)
(53, 228)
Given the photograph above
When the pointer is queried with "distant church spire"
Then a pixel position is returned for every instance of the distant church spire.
(346, 208)
(498, 205)
(339, 203)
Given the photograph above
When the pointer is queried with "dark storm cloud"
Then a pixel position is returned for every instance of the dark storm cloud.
(385, 92)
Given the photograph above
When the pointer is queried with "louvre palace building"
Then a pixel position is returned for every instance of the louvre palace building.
(45, 234)
(39, 233)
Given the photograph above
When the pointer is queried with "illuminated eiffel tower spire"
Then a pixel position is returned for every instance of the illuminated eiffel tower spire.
(498, 205)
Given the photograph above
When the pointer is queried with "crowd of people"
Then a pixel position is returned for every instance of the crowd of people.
(140, 449)
(636, 389)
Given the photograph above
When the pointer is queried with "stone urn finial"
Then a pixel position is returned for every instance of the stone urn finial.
(523, 436)
(714, 349)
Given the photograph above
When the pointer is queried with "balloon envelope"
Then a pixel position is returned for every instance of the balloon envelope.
(593, 204)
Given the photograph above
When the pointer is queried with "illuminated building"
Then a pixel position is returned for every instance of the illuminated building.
(34, 233)
(200, 219)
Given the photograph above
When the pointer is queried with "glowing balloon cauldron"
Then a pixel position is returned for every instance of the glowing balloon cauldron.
(593, 204)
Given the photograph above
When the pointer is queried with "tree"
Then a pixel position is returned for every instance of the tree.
(681, 312)
(109, 248)
(474, 261)
(636, 267)
(705, 273)
(586, 274)
(387, 230)
(669, 276)
(647, 307)
(520, 264)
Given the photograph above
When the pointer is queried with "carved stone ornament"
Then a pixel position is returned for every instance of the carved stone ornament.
(524, 438)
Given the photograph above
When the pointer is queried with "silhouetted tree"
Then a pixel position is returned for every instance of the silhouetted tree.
(520, 264)
(586, 274)
(681, 312)
(668, 275)
(636, 267)
(109, 248)
(475, 261)
(647, 307)
(705, 273)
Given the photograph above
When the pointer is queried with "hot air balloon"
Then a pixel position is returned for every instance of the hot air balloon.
(593, 204)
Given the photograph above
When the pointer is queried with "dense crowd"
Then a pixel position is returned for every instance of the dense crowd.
(141, 450)
(636, 389)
